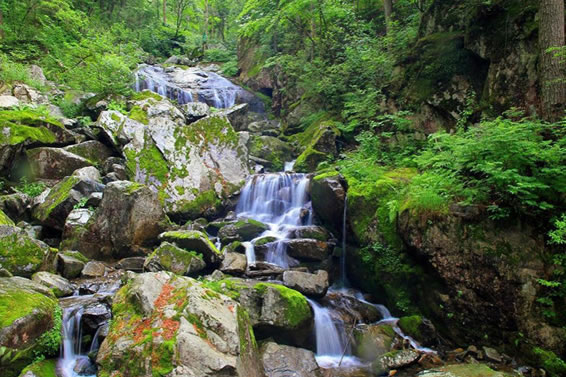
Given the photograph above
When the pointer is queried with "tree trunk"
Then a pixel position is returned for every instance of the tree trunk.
(551, 34)
(1, 25)
(164, 12)
(388, 9)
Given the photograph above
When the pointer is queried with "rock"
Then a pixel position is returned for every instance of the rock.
(59, 285)
(394, 360)
(492, 355)
(194, 111)
(94, 200)
(16, 206)
(328, 189)
(237, 115)
(76, 227)
(27, 94)
(69, 266)
(242, 230)
(54, 163)
(20, 254)
(43, 368)
(420, 329)
(312, 232)
(463, 370)
(284, 361)
(94, 269)
(92, 150)
(62, 198)
(234, 264)
(36, 73)
(169, 257)
(192, 240)
(134, 264)
(372, 340)
(314, 285)
(307, 249)
(271, 149)
(129, 219)
(5, 220)
(208, 338)
(8, 101)
(28, 312)
(322, 147)
(88, 173)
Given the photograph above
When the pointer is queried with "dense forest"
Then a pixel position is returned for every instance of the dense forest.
(270, 188)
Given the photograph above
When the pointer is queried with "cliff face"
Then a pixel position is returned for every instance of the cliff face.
(471, 56)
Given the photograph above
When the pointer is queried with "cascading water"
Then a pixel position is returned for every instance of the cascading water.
(281, 201)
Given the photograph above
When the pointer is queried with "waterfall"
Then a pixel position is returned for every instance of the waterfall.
(281, 201)
(250, 253)
(72, 363)
(329, 341)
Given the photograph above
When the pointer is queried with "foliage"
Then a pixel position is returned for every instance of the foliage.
(11, 72)
(32, 189)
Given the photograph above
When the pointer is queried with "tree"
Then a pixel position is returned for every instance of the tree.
(164, 12)
(388, 9)
(179, 6)
(551, 35)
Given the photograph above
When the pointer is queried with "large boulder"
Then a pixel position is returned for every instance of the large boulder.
(61, 200)
(16, 206)
(463, 370)
(170, 325)
(308, 249)
(70, 264)
(328, 197)
(322, 147)
(20, 254)
(54, 163)
(394, 360)
(194, 111)
(129, 219)
(271, 149)
(420, 329)
(76, 228)
(283, 361)
(372, 341)
(193, 240)
(309, 284)
(241, 230)
(162, 152)
(30, 324)
(58, 284)
(168, 257)
(92, 150)
(8, 101)
(234, 264)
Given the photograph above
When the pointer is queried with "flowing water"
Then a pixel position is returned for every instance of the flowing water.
(281, 201)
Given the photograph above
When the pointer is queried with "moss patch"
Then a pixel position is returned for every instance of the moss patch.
(44, 368)
(297, 309)
(138, 114)
(58, 194)
(18, 126)
(5, 220)
(207, 201)
(20, 254)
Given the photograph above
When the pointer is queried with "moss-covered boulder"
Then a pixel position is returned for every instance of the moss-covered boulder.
(328, 196)
(30, 324)
(192, 240)
(93, 151)
(162, 152)
(127, 222)
(271, 149)
(43, 368)
(308, 249)
(5, 220)
(168, 257)
(420, 329)
(54, 163)
(321, 147)
(76, 229)
(372, 341)
(20, 254)
(60, 286)
(241, 230)
(165, 324)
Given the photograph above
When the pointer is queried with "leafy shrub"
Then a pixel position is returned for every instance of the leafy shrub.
(11, 71)
(217, 55)
(32, 189)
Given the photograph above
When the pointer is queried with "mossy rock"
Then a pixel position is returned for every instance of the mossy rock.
(168, 257)
(372, 341)
(28, 126)
(271, 149)
(321, 146)
(206, 204)
(43, 368)
(19, 253)
(59, 203)
(192, 240)
(5, 220)
(296, 311)
(242, 230)
(30, 319)
(92, 150)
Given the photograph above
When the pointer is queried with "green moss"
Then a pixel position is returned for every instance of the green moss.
(227, 287)
(330, 174)
(77, 255)
(48, 344)
(115, 117)
(554, 365)
(58, 194)
(311, 139)
(297, 309)
(410, 326)
(205, 201)
(5, 220)
(15, 304)
(138, 114)
(146, 94)
(43, 368)
(309, 160)
(171, 257)
(264, 240)
(20, 254)
(150, 161)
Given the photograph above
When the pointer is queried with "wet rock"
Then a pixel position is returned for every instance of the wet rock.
(242, 230)
(54, 163)
(208, 338)
(85, 367)
(194, 111)
(168, 257)
(324, 190)
(28, 311)
(308, 250)
(372, 341)
(394, 360)
(75, 228)
(237, 115)
(271, 149)
(234, 264)
(94, 269)
(60, 286)
(312, 232)
(20, 254)
(61, 200)
(309, 284)
(88, 173)
(283, 361)
(134, 264)
(92, 150)
(492, 355)
(463, 370)
(196, 241)
(96, 313)
(16, 206)
(322, 147)
(420, 329)
(69, 266)
(8, 101)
